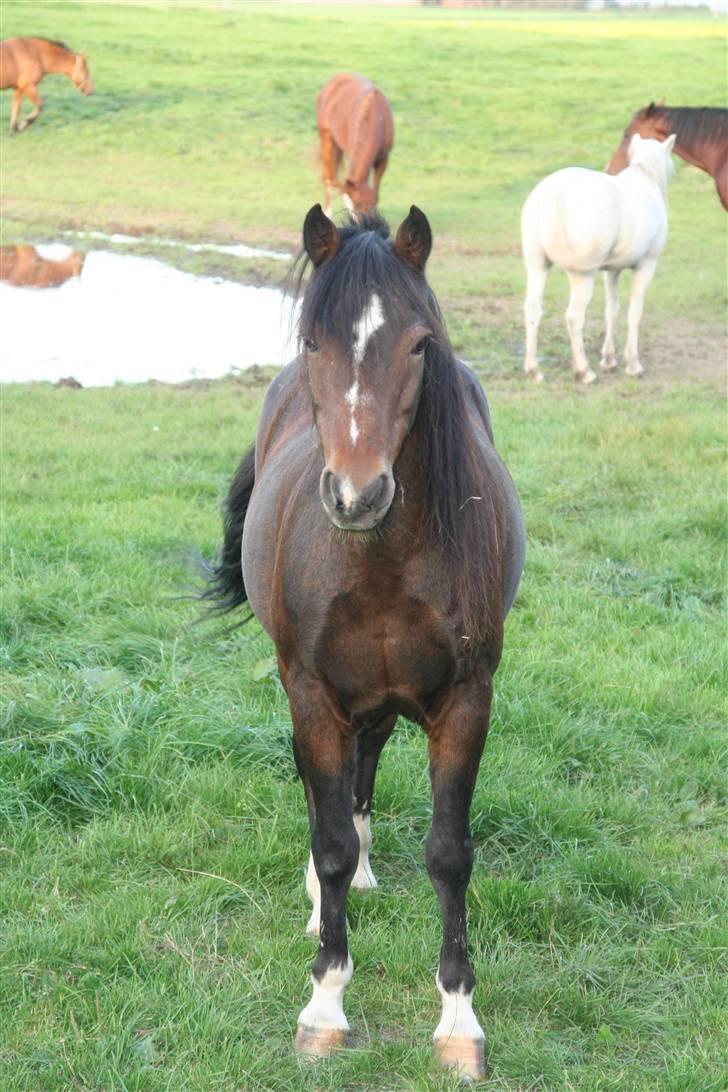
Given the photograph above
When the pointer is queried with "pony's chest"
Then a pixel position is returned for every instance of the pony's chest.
(394, 654)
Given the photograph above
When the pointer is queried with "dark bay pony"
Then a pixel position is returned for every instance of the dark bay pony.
(354, 118)
(23, 266)
(382, 545)
(23, 64)
(702, 138)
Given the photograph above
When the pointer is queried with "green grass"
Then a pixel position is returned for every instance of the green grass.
(153, 835)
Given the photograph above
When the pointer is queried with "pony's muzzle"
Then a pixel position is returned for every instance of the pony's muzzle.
(354, 509)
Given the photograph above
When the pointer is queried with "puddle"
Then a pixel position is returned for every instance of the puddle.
(105, 318)
(237, 250)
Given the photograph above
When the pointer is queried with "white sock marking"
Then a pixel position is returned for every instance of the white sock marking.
(313, 887)
(364, 878)
(458, 1018)
(326, 1008)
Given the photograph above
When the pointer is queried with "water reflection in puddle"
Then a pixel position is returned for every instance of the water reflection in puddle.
(108, 318)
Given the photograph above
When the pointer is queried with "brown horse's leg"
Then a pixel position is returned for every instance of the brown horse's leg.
(368, 749)
(379, 169)
(32, 94)
(721, 184)
(15, 109)
(331, 160)
(324, 751)
(456, 745)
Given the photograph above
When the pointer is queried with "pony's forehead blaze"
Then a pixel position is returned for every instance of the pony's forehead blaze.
(369, 321)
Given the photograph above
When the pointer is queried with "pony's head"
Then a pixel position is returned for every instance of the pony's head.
(359, 197)
(650, 122)
(81, 75)
(366, 320)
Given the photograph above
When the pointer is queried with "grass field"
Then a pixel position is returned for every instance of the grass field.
(153, 836)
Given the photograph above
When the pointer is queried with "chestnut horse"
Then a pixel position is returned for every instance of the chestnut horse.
(382, 546)
(701, 138)
(354, 118)
(23, 266)
(25, 61)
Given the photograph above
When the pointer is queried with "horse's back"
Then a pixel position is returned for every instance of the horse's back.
(572, 216)
(20, 62)
(344, 101)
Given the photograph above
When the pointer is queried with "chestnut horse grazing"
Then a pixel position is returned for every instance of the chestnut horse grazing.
(25, 61)
(701, 138)
(354, 118)
(382, 546)
(583, 221)
(23, 266)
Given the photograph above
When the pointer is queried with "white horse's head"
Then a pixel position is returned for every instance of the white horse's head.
(653, 156)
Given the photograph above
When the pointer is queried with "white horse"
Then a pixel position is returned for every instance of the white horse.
(583, 221)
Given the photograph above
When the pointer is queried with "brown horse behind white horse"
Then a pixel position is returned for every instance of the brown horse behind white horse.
(354, 119)
(23, 64)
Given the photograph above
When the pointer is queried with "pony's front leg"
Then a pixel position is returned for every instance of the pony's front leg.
(15, 109)
(582, 287)
(325, 755)
(611, 310)
(641, 278)
(456, 744)
(33, 95)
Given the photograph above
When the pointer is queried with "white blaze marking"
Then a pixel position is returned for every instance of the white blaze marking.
(364, 878)
(348, 492)
(326, 1008)
(371, 318)
(458, 1018)
(352, 401)
(313, 887)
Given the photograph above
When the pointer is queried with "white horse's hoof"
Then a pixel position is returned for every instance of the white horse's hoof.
(534, 375)
(634, 369)
(319, 1042)
(585, 377)
(607, 363)
(364, 879)
(466, 1056)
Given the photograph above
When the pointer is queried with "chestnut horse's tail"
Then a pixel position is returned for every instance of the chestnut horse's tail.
(226, 587)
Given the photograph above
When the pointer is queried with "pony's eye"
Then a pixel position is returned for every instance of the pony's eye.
(310, 345)
(419, 348)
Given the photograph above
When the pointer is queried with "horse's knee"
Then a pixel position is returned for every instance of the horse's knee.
(449, 860)
(336, 854)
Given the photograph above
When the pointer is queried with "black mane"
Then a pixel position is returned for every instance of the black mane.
(460, 513)
(691, 123)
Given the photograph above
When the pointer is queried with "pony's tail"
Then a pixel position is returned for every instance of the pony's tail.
(226, 587)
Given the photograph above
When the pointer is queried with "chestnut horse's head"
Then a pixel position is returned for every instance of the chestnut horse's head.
(366, 320)
(81, 75)
(651, 122)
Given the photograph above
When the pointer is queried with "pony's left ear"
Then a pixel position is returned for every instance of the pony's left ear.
(320, 236)
(669, 144)
(413, 241)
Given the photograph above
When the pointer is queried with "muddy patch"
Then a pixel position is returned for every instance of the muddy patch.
(102, 318)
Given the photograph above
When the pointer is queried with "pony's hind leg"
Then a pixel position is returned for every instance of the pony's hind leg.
(641, 278)
(369, 748)
(456, 744)
(611, 310)
(538, 271)
(582, 287)
(15, 109)
(325, 758)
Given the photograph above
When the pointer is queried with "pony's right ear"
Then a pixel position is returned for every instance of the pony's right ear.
(413, 241)
(320, 236)
(650, 110)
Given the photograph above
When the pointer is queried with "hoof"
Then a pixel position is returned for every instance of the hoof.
(467, 1056)
(319, 1042)
(607, 363)
(534, 375)
(364, 880)
(585, 377)
(634, 369)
